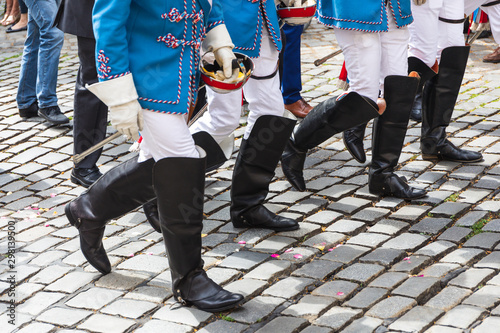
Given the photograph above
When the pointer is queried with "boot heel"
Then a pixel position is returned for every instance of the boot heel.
(429, 157)
(239, 222)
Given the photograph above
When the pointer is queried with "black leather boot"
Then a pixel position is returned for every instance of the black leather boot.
(179, 185)
(389, 131)
(438, 101)
(215, 158)
(120, 190)
(253, 171)
(326, 119)
(353, 141)
(426, 73)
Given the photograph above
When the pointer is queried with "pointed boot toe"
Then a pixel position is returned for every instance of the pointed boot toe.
(394, 186)
(223, 300)
(292, 164)
(353, 141)
(261, 217)
(449, 152)
(90, 242)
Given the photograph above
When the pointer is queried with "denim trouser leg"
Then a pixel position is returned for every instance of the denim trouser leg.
(26, 93)
(51, 39)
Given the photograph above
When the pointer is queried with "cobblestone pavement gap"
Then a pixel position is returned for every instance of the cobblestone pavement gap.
(359, 263)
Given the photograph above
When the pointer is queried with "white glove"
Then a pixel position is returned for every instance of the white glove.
(127, 119)
(121, 96)
(219, 42)
(419, 2)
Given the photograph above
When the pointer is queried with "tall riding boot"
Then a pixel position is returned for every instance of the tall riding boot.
(120, 190)
(389, 131)
(438, 100)
(353, 141)
(217, 154)
(253, 171)
(426, 73)
(323, 121)
(179, 183)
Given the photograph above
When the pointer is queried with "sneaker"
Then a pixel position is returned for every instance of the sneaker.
(30, 112)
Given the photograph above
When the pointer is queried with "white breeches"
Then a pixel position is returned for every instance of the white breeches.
(370, 57)
(493, 15)
(263, 97)
(165, 135)
(428, 35)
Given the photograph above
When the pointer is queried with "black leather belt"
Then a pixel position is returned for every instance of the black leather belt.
(270, 76)
(442, 19)
(489, 4)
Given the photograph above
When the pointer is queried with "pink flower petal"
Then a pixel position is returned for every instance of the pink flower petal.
(275, 255)
(47, 225)
(330, 250)
(149, 253)
(409, 261)
(131, 255)
(340, 293)
(421, 275)
(297, 256)
(52, 195)
(289, 250)
(407, 258)
(242, 242)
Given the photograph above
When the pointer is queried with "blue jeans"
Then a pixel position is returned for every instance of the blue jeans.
(42, 48)
(291, 83)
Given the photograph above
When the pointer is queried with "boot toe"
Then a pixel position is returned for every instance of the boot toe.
(261, 217)
(221, 301)
(394, 186)
(355, 147)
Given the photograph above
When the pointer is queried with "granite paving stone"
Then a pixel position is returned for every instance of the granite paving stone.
(104, 323)
(349, 205)
(348, 227)
(346, 253)
(325, 240)
(284, 324)
(410, 213)
(431, 226)
(360, 273)
(128, 308)
(368, 239)
(256, 309)
(62, 316)
(366, 298)
(324, 217)
(389, 280)
(71, 282)
(247, 287)
(449, 209)
(436, 249)
(486, 297)
(412, 264)
(337, 289)
(309, 306)
(371, 214)
(455, 234)
(490, 324)
(484, 240)
(273, 244)
(464, 256)
(217, 326)
(448, 298)
(419, 288)
(439, 270)
(406, 242)
(462, 316)
(389, 227)
(318, 269)
(338, 317)
(391, 307)
(269, 270)
(472, 278)
(363, 325)
(443, 329)
(244, 260)
(470, 218)
(416, 320)
(381, 256)
(155, 325)
(288, 287)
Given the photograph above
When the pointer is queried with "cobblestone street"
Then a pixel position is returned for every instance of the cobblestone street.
(358, 263)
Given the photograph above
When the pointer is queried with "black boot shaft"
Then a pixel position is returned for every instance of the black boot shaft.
(440, 95)
(331, 117)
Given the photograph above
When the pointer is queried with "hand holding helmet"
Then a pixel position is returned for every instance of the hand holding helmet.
(419, 2)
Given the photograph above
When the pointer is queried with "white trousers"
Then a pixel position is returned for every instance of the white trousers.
(165, 135)
(428, 35)
(263, 97)
(493, 15)
(371, 56)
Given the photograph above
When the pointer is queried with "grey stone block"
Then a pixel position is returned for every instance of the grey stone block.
(443, 329)
(407, 242)
(412, 264)
(316, 329)
(346, 253)
(486, 297)
(256, 309)
(389, 280)
(324, 217)
(410, 213)
(436, 249)
(473, 196)
(63, 317)
(416, 320)
(484, 240)
(93, 298)
(470, 218)
(363, 325)
(146, 263)
(472, 278)
(338, 317)
(448, 209)
(309, 306)
(273, 244)
(448, 298)
(288, 287)
(431, 226)
(455, 234)
(389, 227)
(349, 205)
(360, 273)
(217, 326)
(247, 287)
(269, 270)
(385, 257)
(439, 270)
(462, 316)
(325, 240)
(366, 298)
(149, 294)
(104, 323)
(129, 308)
(467, 172)
(244, 260)
(284, 325)
(368, 239)
(391, 307)
(419, 288)
(71, 282)
(489, 325)
(309, 206)
(348, 227)
(306, 229)
(464, 256)
(371, 214)
(318, 269)
(337, 191)
(122, 280)
(492, 226)
(337, 289)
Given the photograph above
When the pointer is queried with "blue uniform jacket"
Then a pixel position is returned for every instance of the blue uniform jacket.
(159, 43)
(245, 20)
(363, 15)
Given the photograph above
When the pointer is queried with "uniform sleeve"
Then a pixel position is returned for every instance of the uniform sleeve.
(216, 16)
(109, 21)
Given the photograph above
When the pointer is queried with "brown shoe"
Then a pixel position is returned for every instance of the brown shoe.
(493, 57)
(300, 109)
